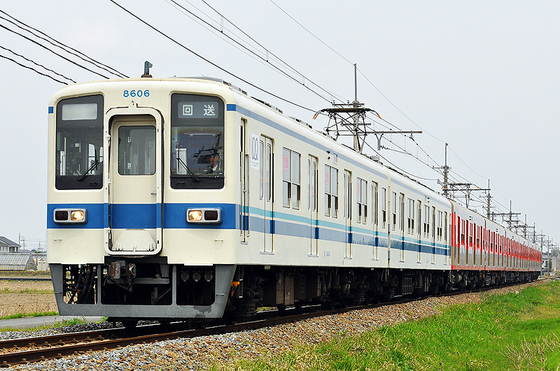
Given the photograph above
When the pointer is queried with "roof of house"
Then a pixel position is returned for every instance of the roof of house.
(6, 242)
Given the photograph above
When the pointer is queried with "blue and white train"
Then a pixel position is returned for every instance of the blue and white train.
(185, 198)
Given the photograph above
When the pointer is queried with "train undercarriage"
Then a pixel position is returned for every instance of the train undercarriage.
(132, 289)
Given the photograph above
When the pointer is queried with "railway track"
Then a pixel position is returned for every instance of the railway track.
(29, 350)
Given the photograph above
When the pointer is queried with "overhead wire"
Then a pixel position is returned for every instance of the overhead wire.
(33, 69)
(378, 90)
(311, 33)
(56, 43)
(268, 51)
(207, 60)
(388, 100)
(37, 64)
(238, 43)
(53, 52)
(367, 79)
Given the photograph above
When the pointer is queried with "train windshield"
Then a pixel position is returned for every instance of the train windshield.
(79, 143)
(197, 142)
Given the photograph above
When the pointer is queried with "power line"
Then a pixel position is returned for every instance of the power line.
(207, 60)
(311, 33)
(37, 64)
(61, 45)
(52, 51)
(33, 69)
(265, 60)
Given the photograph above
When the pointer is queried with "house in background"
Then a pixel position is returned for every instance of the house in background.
(7, 245)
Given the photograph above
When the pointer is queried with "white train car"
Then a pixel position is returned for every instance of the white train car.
(186, 198)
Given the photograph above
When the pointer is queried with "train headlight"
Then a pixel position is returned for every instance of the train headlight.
(205, 215)
(70, 216)
(194, 216)
(78, 216)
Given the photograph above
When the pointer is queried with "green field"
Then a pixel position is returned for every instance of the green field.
(518, 331)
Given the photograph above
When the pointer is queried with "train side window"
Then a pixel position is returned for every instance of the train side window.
(313, 184)
(331, 191)
(375, 199)
(361, 190)
(291, 178)
(433, 215)
(394, 210)
(439, 225)
(410, 216)
(79, 143)
(268, 171)
(426, 221)
(401, 212)
(261, 169)
(384, 207)
(445, 226)
(419, 214)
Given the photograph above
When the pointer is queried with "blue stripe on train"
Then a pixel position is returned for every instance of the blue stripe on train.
(143, 216)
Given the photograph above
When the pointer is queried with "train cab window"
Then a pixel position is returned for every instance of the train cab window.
(79, 143)
(197, 142)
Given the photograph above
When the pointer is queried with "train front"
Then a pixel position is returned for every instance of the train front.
(141, 216)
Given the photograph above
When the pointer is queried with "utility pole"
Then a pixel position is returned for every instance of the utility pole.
(350, 120)
(448, 188)
(510, 216)
(445, 168)
(356, 104)
(488, 198)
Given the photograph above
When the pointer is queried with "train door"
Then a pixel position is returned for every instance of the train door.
(244, 158)
(433, 235)
(456, 257)
(419, 231)
(348, 214)
(475, 247)
(267, 176)
(134, 196)
(375, 218)
(313, 205)
(401, 226)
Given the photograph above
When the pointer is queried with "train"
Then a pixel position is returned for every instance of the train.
(187, 199)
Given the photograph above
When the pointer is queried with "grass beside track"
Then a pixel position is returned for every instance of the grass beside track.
(518, 331)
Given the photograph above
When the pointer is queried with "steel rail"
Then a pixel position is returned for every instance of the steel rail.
(82, 342)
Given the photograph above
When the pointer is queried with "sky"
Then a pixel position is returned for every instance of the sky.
(482, 76)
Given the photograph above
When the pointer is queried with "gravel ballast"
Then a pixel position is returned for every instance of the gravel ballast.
(202, 352)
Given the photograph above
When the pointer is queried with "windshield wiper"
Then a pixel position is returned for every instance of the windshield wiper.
(84, 175)
(193, 175)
